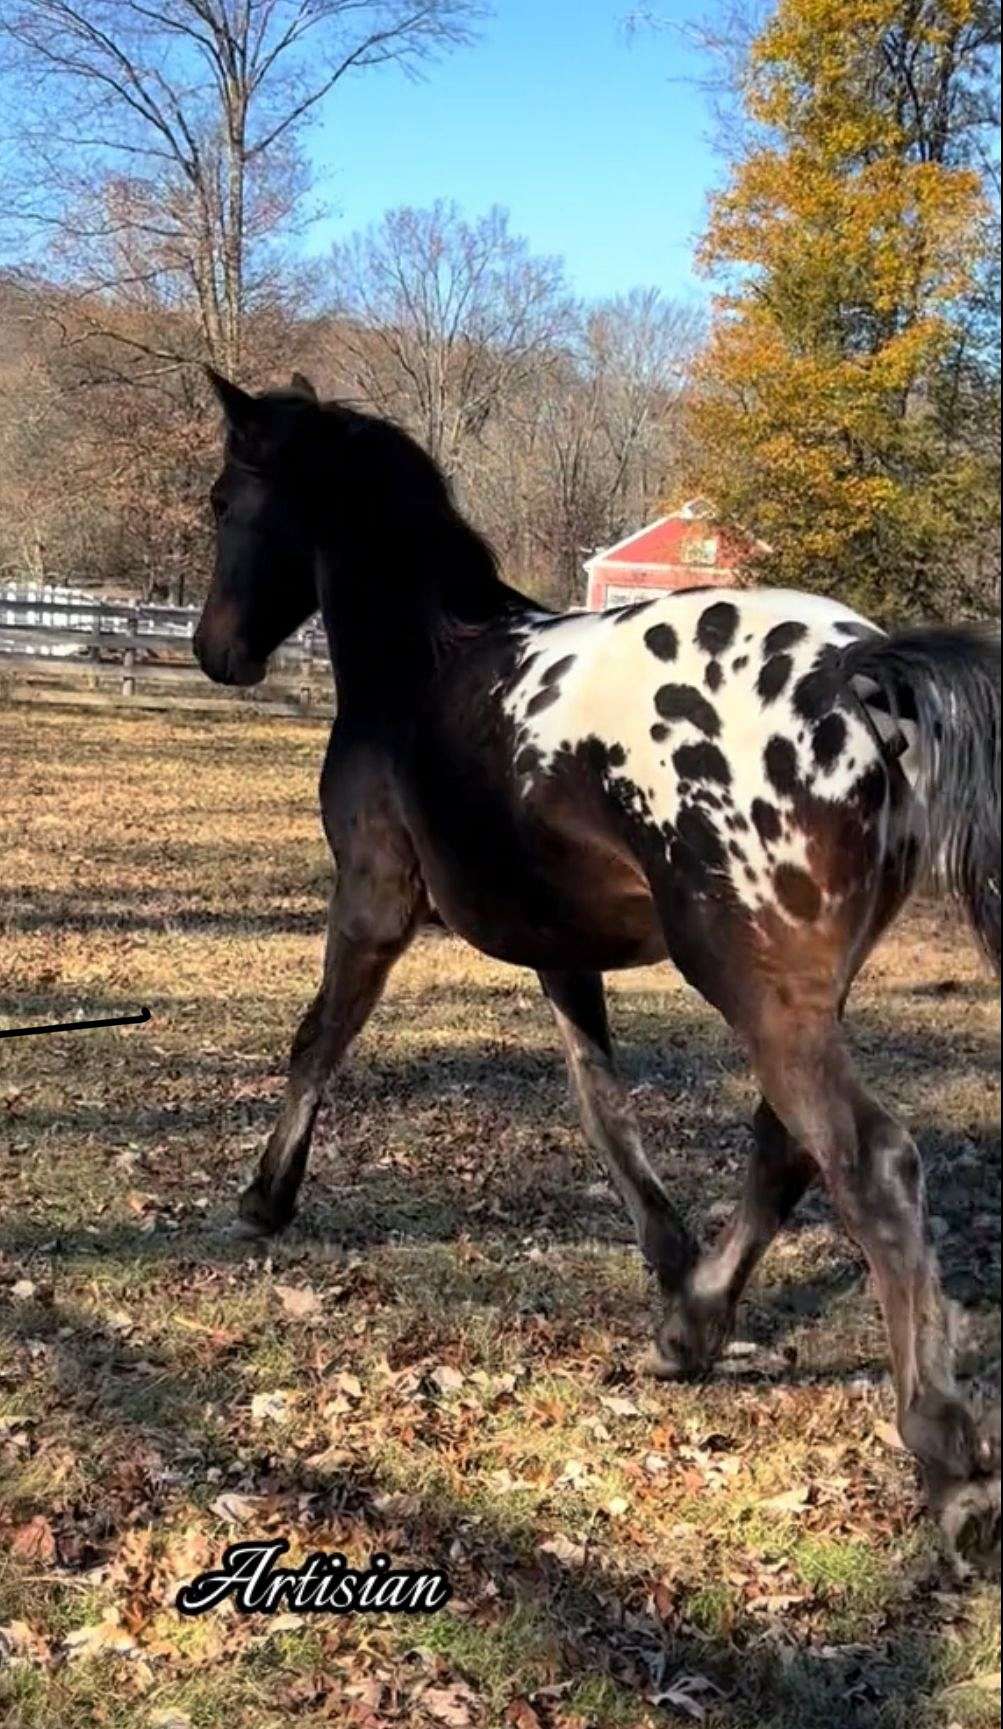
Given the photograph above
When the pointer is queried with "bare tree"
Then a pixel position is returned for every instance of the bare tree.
(159, 141)
(439, 321)
(639, 348)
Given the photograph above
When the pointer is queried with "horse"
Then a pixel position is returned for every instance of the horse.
(748, 782)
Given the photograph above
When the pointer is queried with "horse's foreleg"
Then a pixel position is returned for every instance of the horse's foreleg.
(700, 1318)
(579, 1006)
(361, 950)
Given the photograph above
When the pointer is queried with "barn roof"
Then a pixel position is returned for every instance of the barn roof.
(663, 542)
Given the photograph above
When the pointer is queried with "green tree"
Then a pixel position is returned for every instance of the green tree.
(847, 399)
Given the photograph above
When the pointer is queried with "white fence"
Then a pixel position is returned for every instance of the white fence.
(136, 651)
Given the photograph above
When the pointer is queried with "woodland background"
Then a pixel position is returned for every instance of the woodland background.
(839, 396)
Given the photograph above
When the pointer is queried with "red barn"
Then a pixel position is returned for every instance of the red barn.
(684, 550)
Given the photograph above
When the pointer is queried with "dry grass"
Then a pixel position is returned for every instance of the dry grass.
(616, 1547)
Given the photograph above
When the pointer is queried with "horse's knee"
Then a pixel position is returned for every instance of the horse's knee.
(881, 1187)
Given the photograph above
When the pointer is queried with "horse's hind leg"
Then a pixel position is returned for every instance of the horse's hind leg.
(610, 1126)
(874, 1174)
(700, 1318)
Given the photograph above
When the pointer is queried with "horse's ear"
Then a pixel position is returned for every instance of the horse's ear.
(238, 407)
(302, 386)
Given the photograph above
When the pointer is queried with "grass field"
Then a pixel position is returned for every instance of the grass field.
(443, 1358)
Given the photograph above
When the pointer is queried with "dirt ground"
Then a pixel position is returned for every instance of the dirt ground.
(442, 1360)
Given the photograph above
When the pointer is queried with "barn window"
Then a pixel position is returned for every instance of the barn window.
(700, 550)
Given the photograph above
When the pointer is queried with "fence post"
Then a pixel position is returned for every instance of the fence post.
(129, 656)
(96, 633)
(305, 695)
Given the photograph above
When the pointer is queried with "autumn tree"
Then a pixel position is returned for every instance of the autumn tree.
(846, 398)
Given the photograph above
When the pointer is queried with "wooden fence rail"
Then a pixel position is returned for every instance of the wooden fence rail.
(58, 646)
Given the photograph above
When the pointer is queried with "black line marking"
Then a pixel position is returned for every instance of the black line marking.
(143, 1016)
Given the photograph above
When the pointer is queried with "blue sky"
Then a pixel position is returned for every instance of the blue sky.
(588, 136)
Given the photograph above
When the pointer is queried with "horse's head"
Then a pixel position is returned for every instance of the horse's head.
(303, 487)
(264, 582)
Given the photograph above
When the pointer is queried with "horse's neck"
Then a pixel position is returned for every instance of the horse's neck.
(390, 621)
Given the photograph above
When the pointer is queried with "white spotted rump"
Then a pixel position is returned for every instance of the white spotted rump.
(703, 701)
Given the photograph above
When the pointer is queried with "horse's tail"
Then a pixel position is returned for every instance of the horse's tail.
(946, 683)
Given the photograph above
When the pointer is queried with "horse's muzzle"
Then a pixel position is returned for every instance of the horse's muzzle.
(229, 664)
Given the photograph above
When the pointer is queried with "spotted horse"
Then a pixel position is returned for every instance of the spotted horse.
(746, 782)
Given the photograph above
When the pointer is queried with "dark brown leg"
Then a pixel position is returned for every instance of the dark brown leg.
(875, 1176)
(373, 918)
(700, 1319)
(579, 1006)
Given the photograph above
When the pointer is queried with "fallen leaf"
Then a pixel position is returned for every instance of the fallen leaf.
(23, 1290)
(449, 1705)
(684, 1695)
(573, 1474)
(888, 1434)
(169, 1717)
(236, 1509)
(520, 1715)
(621, 1407)
(288, 1623)
(272, 1407)
(34, 1541)
(789, 1502)
(100, 1638)
(298, 1301)
(564, 1550)
(446, 1378)
(19, 1643)
(348, 1384)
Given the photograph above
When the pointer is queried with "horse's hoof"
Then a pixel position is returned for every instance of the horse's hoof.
(663, 1365)
(257, 1216)
(970, 1522)
(969, 1509)
(689, 1339)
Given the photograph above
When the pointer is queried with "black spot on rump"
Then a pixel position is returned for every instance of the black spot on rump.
(543, 699)
(529, 758)
(717, 626)
(781, 764)
(701, 761)
(783, 637)
(773, 675)
(766, 819)
(682, 702)
(663, 642)
(828, 740)
(697, 834)
(739, 662)
(816, 693)
(520, 672)
(713, 677)
(557, 669)
(617, 756)
(659, 732)
(870, 789)
(796, 892)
